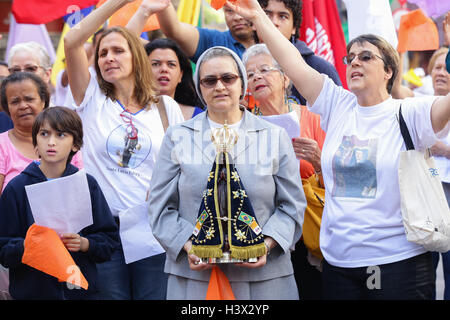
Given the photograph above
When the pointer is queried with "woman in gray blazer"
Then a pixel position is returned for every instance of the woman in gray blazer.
(265, 160)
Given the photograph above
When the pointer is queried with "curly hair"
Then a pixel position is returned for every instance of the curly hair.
(295, 6)
(41, 87)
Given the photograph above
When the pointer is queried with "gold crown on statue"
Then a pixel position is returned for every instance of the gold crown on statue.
(224, 138)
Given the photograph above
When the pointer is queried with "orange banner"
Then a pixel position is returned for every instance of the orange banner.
(121, 17)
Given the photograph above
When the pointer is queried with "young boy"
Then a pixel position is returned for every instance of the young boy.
(57, 136)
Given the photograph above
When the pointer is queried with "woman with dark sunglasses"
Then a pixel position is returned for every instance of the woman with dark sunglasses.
(265, 160)
(367, 255)
(124, 131)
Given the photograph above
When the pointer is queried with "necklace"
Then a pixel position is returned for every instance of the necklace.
(257, 111)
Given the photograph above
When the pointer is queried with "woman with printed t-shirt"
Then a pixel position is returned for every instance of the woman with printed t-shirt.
(362, 223)
(171, 67)
(123, 133)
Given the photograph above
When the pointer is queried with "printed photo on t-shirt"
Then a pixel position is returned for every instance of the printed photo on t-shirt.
(128, 147)
(354, 168)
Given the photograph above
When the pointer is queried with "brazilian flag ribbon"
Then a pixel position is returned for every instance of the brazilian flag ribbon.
(244, 233)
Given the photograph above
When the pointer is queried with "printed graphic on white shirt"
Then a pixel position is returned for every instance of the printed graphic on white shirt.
(354, 168)
(128, 147)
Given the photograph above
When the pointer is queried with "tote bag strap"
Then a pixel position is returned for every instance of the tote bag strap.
(163, 113)
(404, 130)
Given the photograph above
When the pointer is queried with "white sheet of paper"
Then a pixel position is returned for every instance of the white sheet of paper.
(136, 234)
(62, 204)
(288, 121)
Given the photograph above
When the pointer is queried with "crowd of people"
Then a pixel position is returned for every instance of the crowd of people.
(138, 120)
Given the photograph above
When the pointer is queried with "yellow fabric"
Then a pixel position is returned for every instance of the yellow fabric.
(189, 11)
(315, 197)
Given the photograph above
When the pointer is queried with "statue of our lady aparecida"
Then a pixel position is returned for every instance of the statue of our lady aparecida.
(226, 229)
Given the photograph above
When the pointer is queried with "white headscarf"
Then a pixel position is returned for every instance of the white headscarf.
(240, 65)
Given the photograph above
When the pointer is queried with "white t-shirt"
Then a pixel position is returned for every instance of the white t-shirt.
(121, 160)
(362, 222)
(61, 92)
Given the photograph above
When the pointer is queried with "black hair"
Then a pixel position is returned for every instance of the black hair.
(41, 87)
(3, 63)
(295, 6)
(185, 91)
(60, 119)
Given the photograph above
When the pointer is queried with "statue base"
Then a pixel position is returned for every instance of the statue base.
(225, 259)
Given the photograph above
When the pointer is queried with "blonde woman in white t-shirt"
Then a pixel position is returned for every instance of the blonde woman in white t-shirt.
(123, 134)
(362, 237)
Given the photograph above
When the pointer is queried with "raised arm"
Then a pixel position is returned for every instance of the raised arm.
(446, 28)
(185, 35)
(76, 58)
(440, 113)
(308, 81)
(399, 91)
(143, 13)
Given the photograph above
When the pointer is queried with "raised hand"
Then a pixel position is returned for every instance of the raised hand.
(248, 9)
(153, 6)
(446, 27)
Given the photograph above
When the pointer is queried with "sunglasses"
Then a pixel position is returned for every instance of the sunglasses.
(31, 69)
(363, 56)
(227, 79)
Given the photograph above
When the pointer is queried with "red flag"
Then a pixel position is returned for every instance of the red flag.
(40, 11)
(322, 31)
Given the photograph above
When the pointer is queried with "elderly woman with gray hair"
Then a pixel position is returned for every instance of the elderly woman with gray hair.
(32, 57)
(269, 85)
(266, 163)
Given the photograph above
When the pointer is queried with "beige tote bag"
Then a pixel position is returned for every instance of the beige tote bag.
(425, 211)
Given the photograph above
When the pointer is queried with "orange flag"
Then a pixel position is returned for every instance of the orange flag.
(121, 17)
(417, 32)
(219, 287)
(217, 4)
(45, 252)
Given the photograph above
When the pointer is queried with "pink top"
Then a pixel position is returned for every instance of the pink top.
(12, 162)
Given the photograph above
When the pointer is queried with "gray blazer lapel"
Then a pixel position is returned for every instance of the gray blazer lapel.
(248, 134)
(202, 136)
